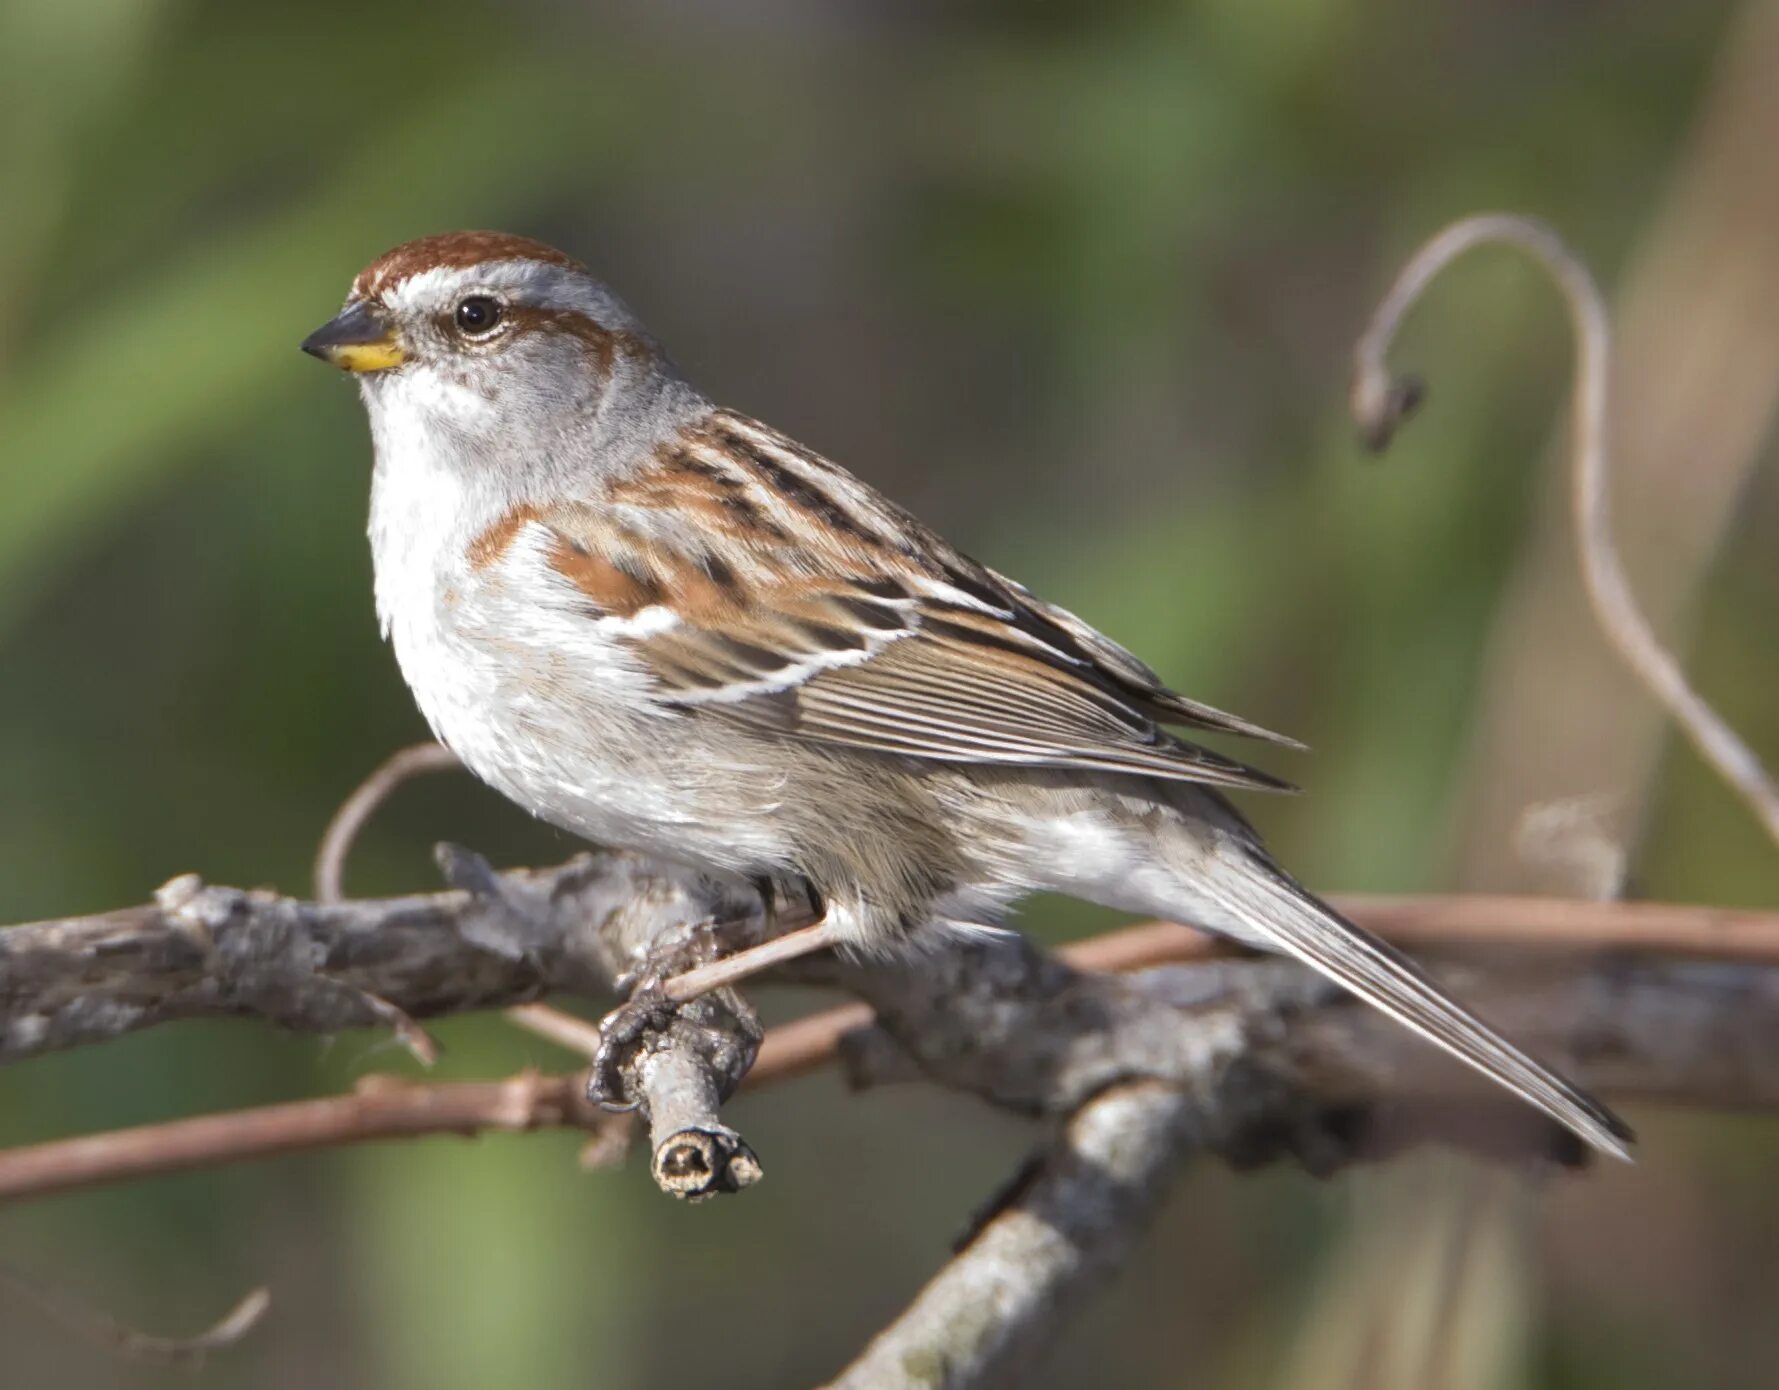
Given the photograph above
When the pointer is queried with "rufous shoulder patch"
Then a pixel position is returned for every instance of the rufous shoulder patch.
(487, 548)
(612, 586)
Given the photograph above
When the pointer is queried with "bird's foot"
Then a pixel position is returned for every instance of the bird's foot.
(647, 1009)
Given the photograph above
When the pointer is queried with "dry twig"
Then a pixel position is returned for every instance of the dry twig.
(381, 1107)
(1381, 401)
(403, 765)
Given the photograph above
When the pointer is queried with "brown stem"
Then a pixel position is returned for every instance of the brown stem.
(405, 764)
(1482, 920)
(381, 1107)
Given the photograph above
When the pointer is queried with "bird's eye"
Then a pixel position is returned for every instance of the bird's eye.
(478, 316)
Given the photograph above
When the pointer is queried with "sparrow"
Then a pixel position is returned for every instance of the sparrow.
(662, 625)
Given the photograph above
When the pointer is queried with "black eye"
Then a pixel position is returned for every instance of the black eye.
(478, 315)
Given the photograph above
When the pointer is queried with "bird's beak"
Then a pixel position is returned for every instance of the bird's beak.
(357, 339)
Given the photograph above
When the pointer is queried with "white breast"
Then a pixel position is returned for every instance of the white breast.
(540, 697)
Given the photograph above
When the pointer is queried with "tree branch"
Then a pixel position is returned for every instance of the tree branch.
(1066, 1226)
(1275, 1058)
(1275, 1052)
(201, 950)
(317, 967)
(208, 951)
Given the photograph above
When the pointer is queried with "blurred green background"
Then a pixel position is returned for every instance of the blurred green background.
(1077, 282)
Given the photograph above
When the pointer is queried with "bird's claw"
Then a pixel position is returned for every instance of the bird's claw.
(647, 1010)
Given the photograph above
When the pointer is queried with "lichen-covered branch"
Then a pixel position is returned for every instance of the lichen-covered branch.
(1282, 1060)
(1276, 1058)
(201, 950)
(208, 951)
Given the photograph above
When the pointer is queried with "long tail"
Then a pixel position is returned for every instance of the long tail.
(1275, 909)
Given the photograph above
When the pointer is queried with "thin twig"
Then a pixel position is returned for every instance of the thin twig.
(405, 764)
(805, 1044)
(568, 1031)
(381, 1107)
(1380, 402)
(384, 1107)
(1484, 921)
(106, 1331)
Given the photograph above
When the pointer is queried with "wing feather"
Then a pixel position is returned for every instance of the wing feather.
(820, 611)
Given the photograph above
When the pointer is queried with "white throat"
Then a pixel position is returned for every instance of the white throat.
(424, 503)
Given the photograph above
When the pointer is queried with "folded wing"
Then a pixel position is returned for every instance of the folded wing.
(786, 596)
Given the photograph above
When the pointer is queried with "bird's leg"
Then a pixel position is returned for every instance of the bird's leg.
(731, 970)
(677, 976)
(645, 1009)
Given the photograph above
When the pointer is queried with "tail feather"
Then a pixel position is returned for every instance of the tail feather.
(1275, 909)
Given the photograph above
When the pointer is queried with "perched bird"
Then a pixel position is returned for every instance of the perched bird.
(663, 625)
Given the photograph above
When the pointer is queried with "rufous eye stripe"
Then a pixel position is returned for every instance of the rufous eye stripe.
(604, 345)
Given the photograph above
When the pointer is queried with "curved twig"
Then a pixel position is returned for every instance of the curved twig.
(405, 764)
(1381, 402)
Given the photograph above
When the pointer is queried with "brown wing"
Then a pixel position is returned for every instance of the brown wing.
(787, 596)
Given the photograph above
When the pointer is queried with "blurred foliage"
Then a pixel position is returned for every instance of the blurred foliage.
(1077, 282)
